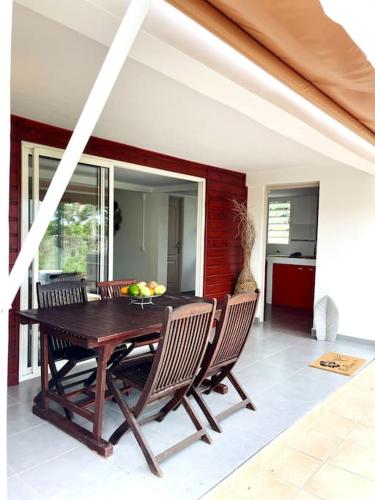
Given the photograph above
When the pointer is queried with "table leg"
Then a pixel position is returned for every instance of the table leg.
(44, 368)
(41, 408)
(103, 357)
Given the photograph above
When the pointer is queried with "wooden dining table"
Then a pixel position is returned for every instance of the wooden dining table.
(101, 326)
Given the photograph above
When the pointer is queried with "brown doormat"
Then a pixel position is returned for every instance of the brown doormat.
(338, 363)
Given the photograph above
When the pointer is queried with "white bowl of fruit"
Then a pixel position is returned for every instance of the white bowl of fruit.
(142, 293)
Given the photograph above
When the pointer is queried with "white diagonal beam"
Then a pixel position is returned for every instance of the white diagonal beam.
(116, 56)
(5, 58)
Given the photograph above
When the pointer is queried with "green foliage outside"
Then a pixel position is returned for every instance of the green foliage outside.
(72, 234)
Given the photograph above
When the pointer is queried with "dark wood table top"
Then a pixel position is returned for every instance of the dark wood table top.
(101, 321)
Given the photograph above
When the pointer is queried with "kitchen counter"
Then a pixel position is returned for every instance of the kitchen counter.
(280, 259)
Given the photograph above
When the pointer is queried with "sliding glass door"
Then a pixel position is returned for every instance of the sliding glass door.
(77, 241)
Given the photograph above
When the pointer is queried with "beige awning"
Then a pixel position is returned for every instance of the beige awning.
(297, 43)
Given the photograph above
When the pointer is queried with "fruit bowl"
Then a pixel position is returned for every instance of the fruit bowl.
(142, 301)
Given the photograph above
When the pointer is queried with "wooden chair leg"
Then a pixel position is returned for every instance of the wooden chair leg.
(152, 348)
(114, 361)
(173, 404)
(196, 421)
(69, 365)
(116, 358)
(131, 422)
(120, 431)
(206, 411)
(56, 379)
(250, 405)
(91, 379)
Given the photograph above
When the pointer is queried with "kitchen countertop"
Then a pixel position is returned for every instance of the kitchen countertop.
(298, 261)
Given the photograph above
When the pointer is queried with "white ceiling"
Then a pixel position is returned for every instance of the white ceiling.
(54, 68)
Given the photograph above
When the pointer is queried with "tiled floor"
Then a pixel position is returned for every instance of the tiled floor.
(328, 454)
(46, 463)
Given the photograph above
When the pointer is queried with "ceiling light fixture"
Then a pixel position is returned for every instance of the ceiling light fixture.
(261, 77)
(357, 19)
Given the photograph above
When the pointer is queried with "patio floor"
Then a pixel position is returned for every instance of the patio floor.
(46, 463)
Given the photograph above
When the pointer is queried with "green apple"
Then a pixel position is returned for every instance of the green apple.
(133, 290)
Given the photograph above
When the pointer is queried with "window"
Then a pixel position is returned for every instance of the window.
(278, 222)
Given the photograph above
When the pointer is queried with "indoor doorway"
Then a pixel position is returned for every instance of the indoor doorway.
(157, 228)
(292, 229)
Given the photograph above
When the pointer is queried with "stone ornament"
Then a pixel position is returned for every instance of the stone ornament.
(326, 319)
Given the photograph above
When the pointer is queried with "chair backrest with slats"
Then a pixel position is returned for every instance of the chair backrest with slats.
(231, 333)
(182, 344)
(111, 289)
(61, 293)
(74, 276)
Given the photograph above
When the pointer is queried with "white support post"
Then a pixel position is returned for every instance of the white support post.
(5, 64)
(116, 56)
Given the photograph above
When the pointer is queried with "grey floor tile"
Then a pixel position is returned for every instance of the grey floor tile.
(357, 349)
(262, 375)
(11, 401)
(10, 471)
(26, 391)
(127, 486)
(79, 473)
(20, 418)
(28, 449)
(19, 490)
(292, 358)
(186, 475)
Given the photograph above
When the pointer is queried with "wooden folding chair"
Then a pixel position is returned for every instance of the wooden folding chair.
(169, 374)
(55, 294)
(230, 337)
(112, 289)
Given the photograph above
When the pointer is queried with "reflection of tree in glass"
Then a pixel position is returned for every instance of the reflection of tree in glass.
(71, 235)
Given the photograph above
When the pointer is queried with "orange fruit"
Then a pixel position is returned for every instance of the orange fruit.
(124, 290)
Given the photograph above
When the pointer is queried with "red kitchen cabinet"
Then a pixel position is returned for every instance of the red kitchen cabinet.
(293, 285)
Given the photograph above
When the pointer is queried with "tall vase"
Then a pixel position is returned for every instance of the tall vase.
(245, 281)
(246, 230)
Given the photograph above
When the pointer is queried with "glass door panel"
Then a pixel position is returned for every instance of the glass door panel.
(76, 243)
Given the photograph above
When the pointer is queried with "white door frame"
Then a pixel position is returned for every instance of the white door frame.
(264, 235)
(38, 150)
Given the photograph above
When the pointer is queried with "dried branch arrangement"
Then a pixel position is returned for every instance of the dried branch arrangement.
(245, 231)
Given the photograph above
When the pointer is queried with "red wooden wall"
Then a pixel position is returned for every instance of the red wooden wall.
(223, 253)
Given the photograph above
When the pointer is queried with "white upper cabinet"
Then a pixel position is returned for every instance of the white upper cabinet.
(304, 217)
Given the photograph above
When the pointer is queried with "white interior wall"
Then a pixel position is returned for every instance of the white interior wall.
(157, 231)
(189, 244)
(129, 260)
(346, 239)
